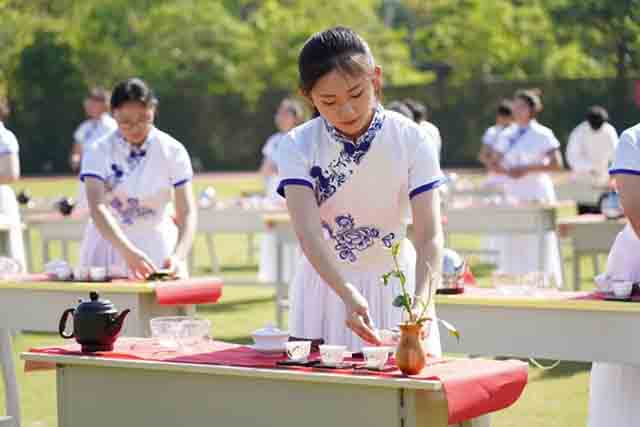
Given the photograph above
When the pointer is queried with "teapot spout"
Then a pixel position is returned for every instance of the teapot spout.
(116, 326)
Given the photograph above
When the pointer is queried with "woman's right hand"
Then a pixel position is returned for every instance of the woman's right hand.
(358, 318)
(139, 263)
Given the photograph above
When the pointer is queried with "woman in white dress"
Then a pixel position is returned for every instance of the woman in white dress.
(10, 173)
(289, 115)
(350, 177)
(529, 152)
(489, 157)
(615, 389)
(132, 175)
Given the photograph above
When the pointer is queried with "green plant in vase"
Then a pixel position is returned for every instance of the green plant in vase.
(410, 355)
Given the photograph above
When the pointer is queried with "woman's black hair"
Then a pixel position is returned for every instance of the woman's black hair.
(532, 98)
(596, 116)
(418, 109)
(133, 90)
(504, 108)
(402, 108)
(333, 49)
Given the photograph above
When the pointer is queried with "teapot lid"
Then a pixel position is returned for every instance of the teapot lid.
(95, 305)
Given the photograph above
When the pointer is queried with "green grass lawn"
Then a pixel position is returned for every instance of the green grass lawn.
(553, 398)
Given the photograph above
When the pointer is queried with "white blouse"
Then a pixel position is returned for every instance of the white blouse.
(94, 129)
(139, 181)
(8, 141)
(363, 189)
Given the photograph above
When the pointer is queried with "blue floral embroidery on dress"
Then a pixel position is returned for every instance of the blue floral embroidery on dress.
(115, 178)
(132, 211)
(350, 239)
(339, 170)
(135, 157)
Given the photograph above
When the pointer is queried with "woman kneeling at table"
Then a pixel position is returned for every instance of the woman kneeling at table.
(615, 389)
(350, 177)
(131, 176)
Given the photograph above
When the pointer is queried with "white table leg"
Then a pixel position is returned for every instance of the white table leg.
(65, 250)
(576, 270)
(211, 249)
(9, 375)
(45, 250)
(28, 249)
(251, 247)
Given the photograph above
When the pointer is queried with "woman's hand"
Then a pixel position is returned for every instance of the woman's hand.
(139, 263)
(176, 266)
(518, 172)
(358, 318)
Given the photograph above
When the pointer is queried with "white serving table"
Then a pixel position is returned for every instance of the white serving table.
(168, 394)
(533, 219)
(578, 330)
(590, 235)
(46, 301)
(52, 227)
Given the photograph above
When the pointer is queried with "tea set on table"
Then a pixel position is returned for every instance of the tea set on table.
(271, 340)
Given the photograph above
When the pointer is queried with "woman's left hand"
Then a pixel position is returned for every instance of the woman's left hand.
(518, 172)
(176, 266)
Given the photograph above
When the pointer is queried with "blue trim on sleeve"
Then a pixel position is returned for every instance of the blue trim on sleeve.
(292, 181)
(427, 187)
(624, 172)
(181, 182)
(90, 175)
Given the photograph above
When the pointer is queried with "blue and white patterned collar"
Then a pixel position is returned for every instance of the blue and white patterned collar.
(374, 127)
(128, 147)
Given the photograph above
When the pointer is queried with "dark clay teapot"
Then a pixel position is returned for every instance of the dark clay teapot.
(96, 324)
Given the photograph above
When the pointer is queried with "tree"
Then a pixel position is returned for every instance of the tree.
(609, 30)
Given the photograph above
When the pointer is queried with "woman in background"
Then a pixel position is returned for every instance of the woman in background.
(10, 173)
(528, 152)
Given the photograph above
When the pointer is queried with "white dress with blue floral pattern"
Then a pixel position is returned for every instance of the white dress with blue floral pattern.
(363, 191)
(139, 183)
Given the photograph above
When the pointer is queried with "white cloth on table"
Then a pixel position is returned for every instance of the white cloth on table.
(525, 146)
(139, 185)
(615, 388)
(8, 203)
(363, 190)
(589, 152)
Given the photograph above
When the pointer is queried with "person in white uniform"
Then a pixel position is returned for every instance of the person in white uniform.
(615, 389)
(421, 116)
(351, 176)
(99, 123)
(590, 151)
(490, 157)
(10, 173)
(132, 175)
(289, 115)
(529, 152)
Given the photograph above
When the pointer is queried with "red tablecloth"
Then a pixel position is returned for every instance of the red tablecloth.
(473, 387)
(196, 290)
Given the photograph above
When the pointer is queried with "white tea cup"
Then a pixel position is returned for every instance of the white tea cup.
(98, 274)
(81, 274)
(298, 350)
(332, 354)
(376, 357)
(622, 289)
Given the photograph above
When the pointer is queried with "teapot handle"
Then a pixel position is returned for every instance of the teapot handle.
(63, 323)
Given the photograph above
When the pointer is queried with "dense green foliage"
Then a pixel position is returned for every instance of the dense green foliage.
(225, 61)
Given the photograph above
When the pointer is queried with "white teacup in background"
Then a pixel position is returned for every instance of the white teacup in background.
(298, 351)
(376, 357)
(98, 274)
(332, 354)
(622, 289)
(81, 273)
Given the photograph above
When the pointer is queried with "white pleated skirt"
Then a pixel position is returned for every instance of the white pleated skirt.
(317, 312)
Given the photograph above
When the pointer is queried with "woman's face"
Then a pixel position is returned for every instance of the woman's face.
(94, 108)
(521, 110)
(134, 121)
(346, 101)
